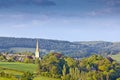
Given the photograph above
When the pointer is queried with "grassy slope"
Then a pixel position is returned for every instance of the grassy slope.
(12, 72)
(1, 78)
(116, 57)
(36, 78)
(44, 78)
(19, 66)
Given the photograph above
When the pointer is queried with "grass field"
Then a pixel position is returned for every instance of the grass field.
(19, 66)
(116, 57)
(36, 78)
(1, 78)
(16, 68)
(14, 72)
(44, 78)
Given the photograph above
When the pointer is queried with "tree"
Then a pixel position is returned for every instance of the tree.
(38, 66)
(70, 62)
(118, 79)
(64, 70)
(37, 60)
(65, 76)
(2, 58)
(26, 60)
(27, 76)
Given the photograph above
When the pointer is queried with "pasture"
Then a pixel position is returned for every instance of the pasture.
(36, 78)
(1, 78)
(44, 78)
(17, 68)
(116, 57)
(24, 67)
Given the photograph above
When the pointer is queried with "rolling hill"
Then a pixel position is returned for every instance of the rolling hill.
(73, 49)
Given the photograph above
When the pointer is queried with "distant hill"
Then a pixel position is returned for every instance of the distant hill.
(73, 49)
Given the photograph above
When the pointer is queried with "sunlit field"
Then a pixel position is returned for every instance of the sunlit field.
(44, 78)
(116, 57)
(19, 66)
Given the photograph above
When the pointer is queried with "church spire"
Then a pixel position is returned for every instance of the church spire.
(37, 54)
(37, 47)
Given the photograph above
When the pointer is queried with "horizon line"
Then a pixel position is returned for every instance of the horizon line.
(58, 39)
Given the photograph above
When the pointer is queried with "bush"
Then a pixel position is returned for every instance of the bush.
(66, 77)
(27, 76)
(47, 74)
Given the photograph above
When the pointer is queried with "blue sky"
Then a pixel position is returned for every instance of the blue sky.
(72, 20)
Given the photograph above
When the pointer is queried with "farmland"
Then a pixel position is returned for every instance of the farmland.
(44, 78)
(116, 57)
(19, 66)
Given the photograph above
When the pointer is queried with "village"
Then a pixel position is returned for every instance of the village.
(26, 57)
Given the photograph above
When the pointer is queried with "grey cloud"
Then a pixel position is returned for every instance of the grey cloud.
(114, 3)
(111, 7)
(38, 2)
(12, 3)
(101, 12)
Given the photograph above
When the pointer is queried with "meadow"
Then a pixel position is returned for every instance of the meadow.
(1, 78)
(44, 78)
(36, 78)
(116, 57)
(17, 68)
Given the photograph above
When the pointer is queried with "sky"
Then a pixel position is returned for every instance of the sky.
(71, 20)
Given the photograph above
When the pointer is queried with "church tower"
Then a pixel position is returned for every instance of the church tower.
(37, 54)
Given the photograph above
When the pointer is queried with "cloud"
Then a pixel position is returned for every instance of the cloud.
(114, 3)
(101, 12)
(19, 26)
(12, 3)
(12, 16)
(109, 7)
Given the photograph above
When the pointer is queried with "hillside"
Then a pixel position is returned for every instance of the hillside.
(116, 57)
(73, 49)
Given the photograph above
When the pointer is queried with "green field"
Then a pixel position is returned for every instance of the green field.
(36, 78)
(19, 66)
(116, 57)
(1, 78)
(14, 72)
(44, 78)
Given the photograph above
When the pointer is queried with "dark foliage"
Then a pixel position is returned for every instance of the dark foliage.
(72, 49)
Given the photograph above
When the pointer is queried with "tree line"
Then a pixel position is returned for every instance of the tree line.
(56, 65)
(72, 49)
(95, 67)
